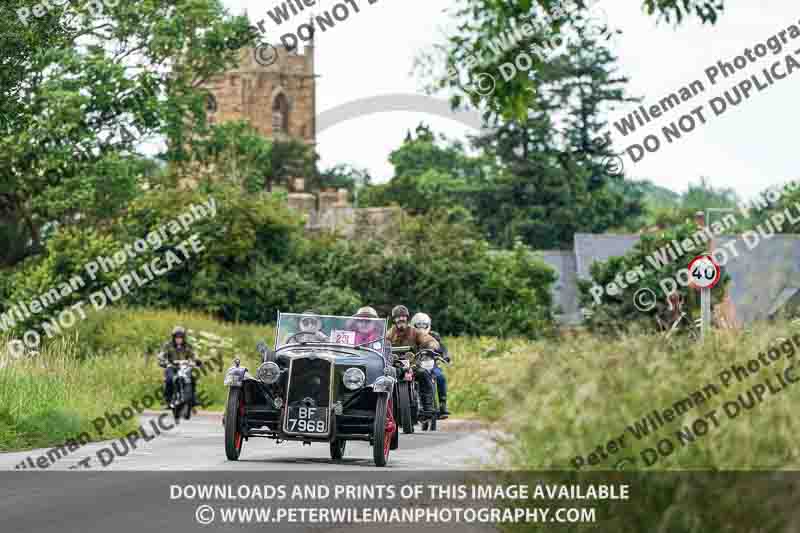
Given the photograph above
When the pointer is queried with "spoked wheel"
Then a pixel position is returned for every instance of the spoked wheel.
(188, 397)
(383, 430)
(415, 405)
(177, 400)
(234, 412)
(337, 449)
(404, 393)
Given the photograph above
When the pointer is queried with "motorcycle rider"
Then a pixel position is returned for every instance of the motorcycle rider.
(404, 334)
(422, 322)
(176, 349)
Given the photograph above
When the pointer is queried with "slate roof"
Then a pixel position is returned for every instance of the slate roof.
(590, 248)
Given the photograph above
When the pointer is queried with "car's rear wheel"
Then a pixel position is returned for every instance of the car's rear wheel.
(337, 449)
(382, 431)
(234, 411)
(404, 393)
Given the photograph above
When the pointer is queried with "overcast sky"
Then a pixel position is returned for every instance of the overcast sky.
(748, 148)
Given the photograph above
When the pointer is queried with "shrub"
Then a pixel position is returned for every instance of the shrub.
(256, 260)
(618, 314)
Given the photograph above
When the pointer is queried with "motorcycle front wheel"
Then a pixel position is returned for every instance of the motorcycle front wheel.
(188, 400)
(337, 449)
(177, 402)
(404, 396)
(415, 403)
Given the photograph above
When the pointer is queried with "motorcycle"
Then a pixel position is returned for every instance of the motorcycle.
(184, 396)
(429, 414)
(407, 388)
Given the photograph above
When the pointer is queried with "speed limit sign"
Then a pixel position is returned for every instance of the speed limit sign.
(704, 273)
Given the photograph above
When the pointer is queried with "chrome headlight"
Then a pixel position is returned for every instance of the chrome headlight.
(268, 372)
(354, 378)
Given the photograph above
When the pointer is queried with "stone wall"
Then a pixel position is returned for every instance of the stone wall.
(330, 212)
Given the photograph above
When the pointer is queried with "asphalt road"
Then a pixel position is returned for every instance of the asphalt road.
(134, 491)
(198, 444)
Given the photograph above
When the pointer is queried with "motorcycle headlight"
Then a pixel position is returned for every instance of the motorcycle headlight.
(268, 372)
(383, 384)
(427, 363)
(235, 376)
(354, 378)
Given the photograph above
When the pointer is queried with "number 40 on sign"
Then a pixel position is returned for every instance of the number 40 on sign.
(704, 273)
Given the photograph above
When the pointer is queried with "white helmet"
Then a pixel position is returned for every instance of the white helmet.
(422, 322)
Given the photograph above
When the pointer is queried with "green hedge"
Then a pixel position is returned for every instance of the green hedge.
(257, 260)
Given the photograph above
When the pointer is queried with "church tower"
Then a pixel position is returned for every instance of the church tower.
(273, 89)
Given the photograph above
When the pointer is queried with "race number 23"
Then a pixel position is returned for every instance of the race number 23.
(346, 337)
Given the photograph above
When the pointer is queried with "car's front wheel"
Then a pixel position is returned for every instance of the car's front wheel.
(383, 430)
(234, 411)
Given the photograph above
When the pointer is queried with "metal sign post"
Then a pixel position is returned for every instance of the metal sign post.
(705, 312)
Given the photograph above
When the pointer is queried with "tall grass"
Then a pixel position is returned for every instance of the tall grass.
(108, 361)
(102, 367)
(570, 397)
(555, 399)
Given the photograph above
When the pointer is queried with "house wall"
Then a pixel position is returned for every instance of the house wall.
(760, 276)
(564, 291)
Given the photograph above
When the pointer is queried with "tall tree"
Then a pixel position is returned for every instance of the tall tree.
(77, 87)
(484, 25)
(235, 152)
(556, 179)
(431, 172)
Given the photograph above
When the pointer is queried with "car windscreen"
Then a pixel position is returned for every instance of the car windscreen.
(298, 328)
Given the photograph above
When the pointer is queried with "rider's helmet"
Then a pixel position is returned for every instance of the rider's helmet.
(179, 331)
(366, 312)
(309, 322)
(400, 310)
(422, 322)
